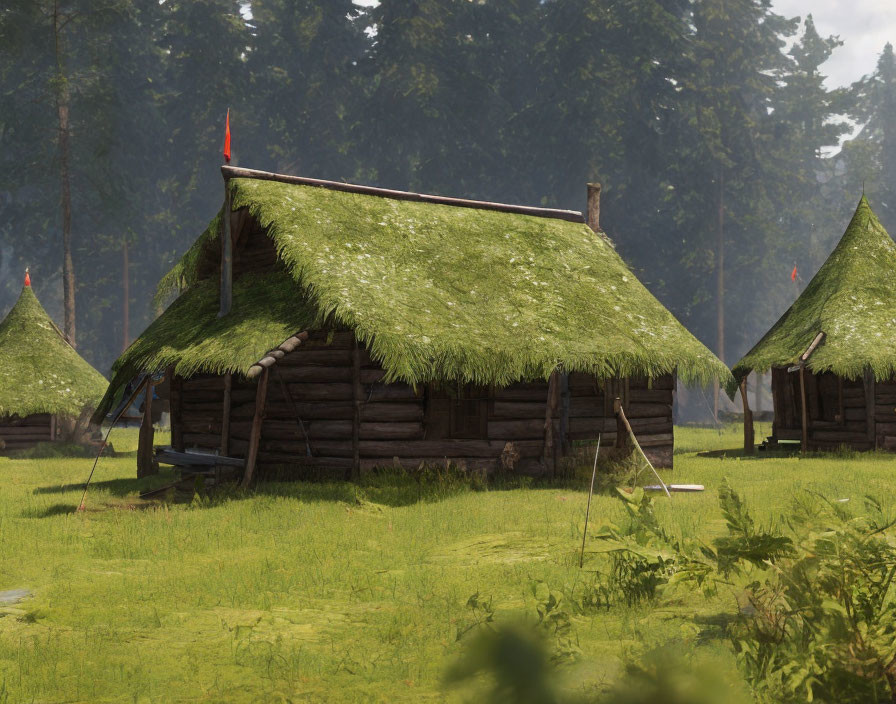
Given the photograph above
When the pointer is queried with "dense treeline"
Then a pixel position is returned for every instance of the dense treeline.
(706, 121)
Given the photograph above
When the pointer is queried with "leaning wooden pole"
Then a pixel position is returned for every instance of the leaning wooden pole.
(588, 508)
(145, 465)
(261, 394)
(749, 438)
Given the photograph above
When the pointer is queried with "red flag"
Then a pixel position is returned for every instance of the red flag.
(27, 278)
(227, 138)
(793, 274)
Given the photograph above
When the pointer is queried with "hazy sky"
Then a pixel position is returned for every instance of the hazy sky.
(864, 26)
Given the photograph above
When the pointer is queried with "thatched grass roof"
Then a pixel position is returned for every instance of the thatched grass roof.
(40, 372)
(439, 292)
(852, 299)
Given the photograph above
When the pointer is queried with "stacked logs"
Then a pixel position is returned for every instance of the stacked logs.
(21, 433)
(309, 413)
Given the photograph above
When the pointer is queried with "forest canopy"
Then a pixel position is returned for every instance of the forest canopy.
(708, 123)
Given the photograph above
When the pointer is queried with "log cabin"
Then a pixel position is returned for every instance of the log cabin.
(45, 384)
(342, 327)
(832, 352)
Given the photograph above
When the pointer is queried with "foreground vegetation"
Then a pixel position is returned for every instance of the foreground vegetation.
(332, 592)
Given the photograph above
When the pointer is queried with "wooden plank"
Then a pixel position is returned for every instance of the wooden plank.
(518, 409)
(257, 420)
(518, 429)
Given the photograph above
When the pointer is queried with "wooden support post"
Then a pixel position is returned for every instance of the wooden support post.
(804, 444)
(749, 446)
(176, 401)
(225, 414)
(564, 413)
(593, 213)
(226, 256)
(261, 394)
(357, 396)
(52, 428)
(622, 426)
(145, 462)
(869, 407)
(550, 445)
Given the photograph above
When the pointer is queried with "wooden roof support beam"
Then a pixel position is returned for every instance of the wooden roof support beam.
(278, 353)
(236, 172)
(749, 444)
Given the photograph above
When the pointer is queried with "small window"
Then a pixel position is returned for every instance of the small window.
(457, 412)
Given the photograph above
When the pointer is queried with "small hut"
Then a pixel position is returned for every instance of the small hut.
(833, 353)
(46, 387)
(342, 327)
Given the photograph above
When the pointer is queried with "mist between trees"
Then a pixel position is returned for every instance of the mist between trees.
(705, 129)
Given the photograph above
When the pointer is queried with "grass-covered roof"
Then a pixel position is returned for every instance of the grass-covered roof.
(40, 372)
(189, 335)
(444, 292)
(852, 299)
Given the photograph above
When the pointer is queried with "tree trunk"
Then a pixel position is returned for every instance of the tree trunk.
(720, 286)
(62, 111)
(125, 299)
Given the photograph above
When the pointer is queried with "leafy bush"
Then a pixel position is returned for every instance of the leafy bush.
(820, 622)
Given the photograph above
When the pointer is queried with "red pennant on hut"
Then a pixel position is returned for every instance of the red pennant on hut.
(793, 274)
(227, 138)
(27, 277)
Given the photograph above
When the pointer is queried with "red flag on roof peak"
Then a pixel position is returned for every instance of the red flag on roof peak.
(793, 273)
(27, 277)
(227, 137)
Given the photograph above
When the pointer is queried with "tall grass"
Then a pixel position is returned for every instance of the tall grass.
(329, 592)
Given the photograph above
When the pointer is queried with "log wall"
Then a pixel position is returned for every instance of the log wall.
(309, 412)
(854, 413)
(21, 433)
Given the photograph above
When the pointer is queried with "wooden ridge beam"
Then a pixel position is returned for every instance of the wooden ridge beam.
(237, 172)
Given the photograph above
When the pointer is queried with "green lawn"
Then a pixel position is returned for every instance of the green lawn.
(331, 592)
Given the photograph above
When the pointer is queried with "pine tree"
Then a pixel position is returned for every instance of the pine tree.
(871, 156)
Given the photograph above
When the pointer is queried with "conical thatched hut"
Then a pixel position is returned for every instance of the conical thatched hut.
(44, 383)
(346, 327)
(833, 353)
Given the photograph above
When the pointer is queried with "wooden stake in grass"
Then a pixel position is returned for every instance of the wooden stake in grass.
(588, 509)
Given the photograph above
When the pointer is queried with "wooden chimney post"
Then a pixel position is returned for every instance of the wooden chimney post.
(226, 256)
(592, 217)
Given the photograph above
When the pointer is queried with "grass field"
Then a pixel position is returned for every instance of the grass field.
(331, 592)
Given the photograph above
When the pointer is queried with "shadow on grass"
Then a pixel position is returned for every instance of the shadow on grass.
(54, 510)
(738, 453)
(115, 487)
